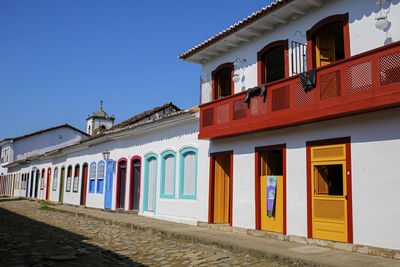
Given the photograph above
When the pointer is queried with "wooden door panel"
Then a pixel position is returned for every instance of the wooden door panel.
(325, 49)
(275, 223)
(221, 189)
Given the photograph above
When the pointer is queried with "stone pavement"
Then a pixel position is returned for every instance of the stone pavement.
(143, 240)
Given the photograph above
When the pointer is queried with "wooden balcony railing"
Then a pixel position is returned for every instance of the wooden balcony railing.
(366, 82)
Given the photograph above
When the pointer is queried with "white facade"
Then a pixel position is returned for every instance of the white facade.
(364, 36)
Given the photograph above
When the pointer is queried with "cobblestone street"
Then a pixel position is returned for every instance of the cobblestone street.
(35, 234)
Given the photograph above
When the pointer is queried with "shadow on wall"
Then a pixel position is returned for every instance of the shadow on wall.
(357, 127)
(26, 241)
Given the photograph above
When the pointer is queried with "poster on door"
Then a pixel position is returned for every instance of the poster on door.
(271, 193)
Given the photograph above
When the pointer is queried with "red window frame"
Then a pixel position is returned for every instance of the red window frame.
(260, 64)
(214, 74)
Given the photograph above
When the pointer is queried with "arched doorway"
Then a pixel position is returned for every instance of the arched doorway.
(62, 181)
(48, 183)
(37, 183)
(109, 184)
(84, 183)
(134, 191)
(121, 181)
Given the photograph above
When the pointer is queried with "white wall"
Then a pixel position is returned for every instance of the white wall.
(363, 37)
(375, 152)
(46, 141)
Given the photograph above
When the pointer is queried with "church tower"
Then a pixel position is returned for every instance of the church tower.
(99, 121)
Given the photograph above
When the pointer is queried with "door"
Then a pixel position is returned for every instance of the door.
(48, 184)
(37, 183)
(121, 184)
(135, 182)
(222, 189)
(27, 185)
(109, 184)
(324, 49)
(152, 184)
(84, 183)
(62, 180)
(329, 193)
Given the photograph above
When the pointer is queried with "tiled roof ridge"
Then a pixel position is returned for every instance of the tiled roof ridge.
(45, 130)
(235, 27)
(142, 115)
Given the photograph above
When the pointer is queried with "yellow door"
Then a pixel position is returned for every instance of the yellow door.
(324, 49)
(274, 223)
(221, 189)
(329, 192)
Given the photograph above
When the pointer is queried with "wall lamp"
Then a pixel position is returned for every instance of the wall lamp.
(381, 18)
(106, 155)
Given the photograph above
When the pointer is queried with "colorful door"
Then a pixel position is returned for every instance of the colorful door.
(121, 181)
(222, 189)
(324, 49)
(84, 183)
(62, 181)
(329, 192)
(272, 223)
(109, 184)
(48, 184)
(151, 184)
(27, 185)
(37, 183)
(135, 182)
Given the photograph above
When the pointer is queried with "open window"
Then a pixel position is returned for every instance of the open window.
(328, 41)
(273, 62)
(222, 81)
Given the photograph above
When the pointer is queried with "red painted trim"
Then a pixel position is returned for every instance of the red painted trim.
(344, 19)
(231, 192)
(349, 194)
(260, 64)
(85, 174)
(228, 65)
(48, 183)
(42, 177)
(257, 189)
(257, 183)
(309, 199)
(118, 191)
(211, 191)
(132, 181)
(334, 141)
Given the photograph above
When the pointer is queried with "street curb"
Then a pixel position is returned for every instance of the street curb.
(272, 257)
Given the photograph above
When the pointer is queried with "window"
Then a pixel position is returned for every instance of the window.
(55, 177)
(188, 173)
(222, 81)
(100, 177)
(76, 179)
(328, 41)
(273, 62)
(92, 177)
(69, 179)
(168, 163)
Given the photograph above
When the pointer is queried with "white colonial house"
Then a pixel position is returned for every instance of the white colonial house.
(300, 102)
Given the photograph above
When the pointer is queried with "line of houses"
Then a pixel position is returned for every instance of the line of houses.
(297, 134)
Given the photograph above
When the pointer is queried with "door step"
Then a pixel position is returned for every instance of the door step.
(225, 227)
(133, 212)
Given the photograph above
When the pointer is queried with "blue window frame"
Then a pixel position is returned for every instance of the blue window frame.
(100, 177)
(150, 181)
(168, 173)
(92, 177)
(188, 173)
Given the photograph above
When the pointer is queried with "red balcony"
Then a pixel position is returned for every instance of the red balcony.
(366, 82)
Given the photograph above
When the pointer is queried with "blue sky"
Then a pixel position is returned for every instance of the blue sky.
(59, 58)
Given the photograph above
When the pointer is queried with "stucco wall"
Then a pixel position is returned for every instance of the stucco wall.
(375, 150)
(46, 141)
(363, 37)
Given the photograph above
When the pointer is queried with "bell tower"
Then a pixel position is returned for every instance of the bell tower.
(99, 121)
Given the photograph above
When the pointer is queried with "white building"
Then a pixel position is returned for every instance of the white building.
(331, 145)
